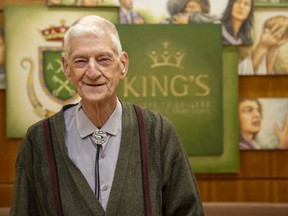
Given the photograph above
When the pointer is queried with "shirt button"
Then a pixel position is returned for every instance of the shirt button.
(103, 155)
(105, 187)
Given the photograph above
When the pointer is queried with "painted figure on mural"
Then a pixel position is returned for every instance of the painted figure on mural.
(189, 11)
(250, 119)
(250, 123)
(269, 56)
(127, 15)
(2, 60)
(237, 22)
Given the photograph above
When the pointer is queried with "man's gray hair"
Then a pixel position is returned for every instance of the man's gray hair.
(95, 25)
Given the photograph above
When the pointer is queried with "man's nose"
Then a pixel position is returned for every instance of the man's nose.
(93, 69)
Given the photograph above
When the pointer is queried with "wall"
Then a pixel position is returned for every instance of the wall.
(8, 147)
(263, 176)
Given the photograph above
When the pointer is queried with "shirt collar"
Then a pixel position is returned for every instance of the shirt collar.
(230, 38)
(86, 127)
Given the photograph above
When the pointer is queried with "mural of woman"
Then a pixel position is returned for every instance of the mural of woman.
(250, 119)
(237, 22)
(250, 124)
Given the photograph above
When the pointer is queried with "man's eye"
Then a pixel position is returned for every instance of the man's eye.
(80, 62)
(104, 60)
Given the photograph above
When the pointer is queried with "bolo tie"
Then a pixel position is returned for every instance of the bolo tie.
(99, 138)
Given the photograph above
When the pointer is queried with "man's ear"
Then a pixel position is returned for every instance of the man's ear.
(65, 68)
(124, 59)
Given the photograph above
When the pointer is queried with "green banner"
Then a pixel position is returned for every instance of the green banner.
(177, 70)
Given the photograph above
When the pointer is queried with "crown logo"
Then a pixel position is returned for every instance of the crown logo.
(55, 33)
(166, 58)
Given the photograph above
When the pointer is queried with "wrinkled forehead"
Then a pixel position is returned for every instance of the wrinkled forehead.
(79, 30)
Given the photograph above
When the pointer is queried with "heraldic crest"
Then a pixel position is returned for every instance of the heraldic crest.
(51, 76)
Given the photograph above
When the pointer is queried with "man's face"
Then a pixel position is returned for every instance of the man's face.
(127, 4)
(250, 117)
(94, 67)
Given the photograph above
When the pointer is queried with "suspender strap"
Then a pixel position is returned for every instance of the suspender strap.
(145, 174)
(52, 167)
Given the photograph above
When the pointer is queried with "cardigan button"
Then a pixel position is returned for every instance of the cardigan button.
(105, 187)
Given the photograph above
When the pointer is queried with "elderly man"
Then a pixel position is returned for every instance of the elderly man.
(102, 156)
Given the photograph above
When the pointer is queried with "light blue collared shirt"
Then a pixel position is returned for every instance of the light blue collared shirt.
(82, 151)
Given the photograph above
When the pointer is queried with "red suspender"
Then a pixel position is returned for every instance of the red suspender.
(52, 167)
(145, 174)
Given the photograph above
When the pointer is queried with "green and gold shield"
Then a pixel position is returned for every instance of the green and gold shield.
(52, 78)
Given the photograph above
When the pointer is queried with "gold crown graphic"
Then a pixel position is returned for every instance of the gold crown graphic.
(166, 58)
(55, 33)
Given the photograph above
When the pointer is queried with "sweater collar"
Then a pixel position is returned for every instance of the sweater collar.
(86, 127)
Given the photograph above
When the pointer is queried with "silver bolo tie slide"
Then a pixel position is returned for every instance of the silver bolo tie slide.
(99, 137)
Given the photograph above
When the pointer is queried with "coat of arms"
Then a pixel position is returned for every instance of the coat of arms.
(52, 79)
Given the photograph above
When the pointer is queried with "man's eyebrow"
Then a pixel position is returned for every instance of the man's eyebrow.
(78, 56)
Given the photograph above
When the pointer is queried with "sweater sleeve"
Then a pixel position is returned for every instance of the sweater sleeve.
(180, 191)
(24, 198)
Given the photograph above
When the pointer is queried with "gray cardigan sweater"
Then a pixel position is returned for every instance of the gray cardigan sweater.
(173, 188)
